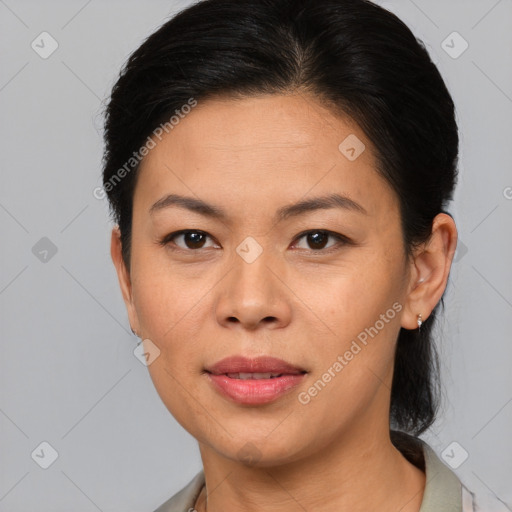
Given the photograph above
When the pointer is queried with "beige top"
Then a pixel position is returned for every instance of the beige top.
(443, 490)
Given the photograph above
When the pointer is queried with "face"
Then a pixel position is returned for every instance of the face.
(320, 286)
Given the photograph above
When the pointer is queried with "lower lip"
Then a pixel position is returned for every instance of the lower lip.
(255, 391)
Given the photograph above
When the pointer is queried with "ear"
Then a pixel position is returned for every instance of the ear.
(431, 265)
(123, 275)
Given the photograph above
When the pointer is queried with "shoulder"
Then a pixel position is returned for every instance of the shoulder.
(447, 490)
(443, 488)
(184, 500)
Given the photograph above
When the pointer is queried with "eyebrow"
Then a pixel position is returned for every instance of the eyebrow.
(309, 205)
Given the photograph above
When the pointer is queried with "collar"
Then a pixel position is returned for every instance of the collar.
(443, 489)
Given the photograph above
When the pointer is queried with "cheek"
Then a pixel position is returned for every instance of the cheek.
(169, 317)
(168, 312)
(350, 297)
(166, 297)
(354, 365)
(359, 315)
(173, 321)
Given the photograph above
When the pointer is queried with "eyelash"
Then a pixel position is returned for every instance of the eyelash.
(342, 240)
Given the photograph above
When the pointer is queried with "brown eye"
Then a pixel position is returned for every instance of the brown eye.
(187, 240)
(194, 240)
(317, 239)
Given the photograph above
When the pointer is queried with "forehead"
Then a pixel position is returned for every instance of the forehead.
(263, 150)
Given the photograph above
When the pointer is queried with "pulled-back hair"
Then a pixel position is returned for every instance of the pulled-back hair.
(359, 60)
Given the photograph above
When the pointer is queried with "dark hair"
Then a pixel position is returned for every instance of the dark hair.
(355, 57)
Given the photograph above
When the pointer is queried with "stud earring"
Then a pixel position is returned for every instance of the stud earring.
(420, 321)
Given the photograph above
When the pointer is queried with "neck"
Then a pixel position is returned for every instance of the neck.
(361, 471)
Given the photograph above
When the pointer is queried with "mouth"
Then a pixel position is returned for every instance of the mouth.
(262, 367)
(255, 376)
(254, 381)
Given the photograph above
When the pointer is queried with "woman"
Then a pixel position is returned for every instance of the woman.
(279, 172)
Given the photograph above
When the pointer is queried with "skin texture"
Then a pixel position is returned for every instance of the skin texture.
(302, 304)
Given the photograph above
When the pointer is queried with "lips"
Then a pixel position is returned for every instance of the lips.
(259, 365)
(254, 381)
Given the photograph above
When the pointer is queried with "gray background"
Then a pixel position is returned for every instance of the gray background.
(68, 374)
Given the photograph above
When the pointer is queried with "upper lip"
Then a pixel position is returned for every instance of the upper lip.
(262, 364)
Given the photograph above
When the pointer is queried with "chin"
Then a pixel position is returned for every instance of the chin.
(259, 449)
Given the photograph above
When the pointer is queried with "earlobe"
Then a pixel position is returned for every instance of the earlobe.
(431, 267)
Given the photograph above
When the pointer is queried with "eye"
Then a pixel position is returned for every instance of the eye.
(187, 239)
(317, 239)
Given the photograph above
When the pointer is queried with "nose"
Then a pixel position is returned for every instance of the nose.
(253, 295)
